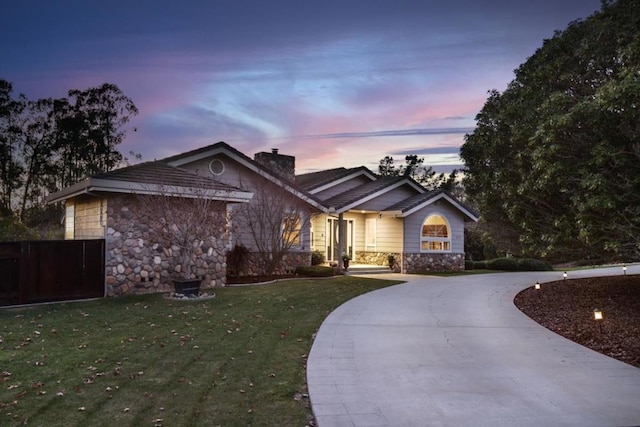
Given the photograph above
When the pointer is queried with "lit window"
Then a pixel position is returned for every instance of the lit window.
(435, 236)
(291, 229)
(69, 221)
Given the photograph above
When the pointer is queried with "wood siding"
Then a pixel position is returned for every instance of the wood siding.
(89, 218)
(413, 226)
(238, 175)
(389, 234)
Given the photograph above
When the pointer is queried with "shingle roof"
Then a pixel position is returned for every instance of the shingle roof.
(415, 201)
(159, 173)
(295, 187)
(312, 180)
(353, 195)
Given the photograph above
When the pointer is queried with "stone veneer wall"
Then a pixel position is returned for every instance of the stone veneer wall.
(378, 258)
(252, 266)
(135, 265)
(429, 262)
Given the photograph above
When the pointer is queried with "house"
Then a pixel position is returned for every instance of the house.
(280, 217)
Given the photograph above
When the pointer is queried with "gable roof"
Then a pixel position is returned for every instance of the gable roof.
(419, 201)
(153, 178)
(167, 175)
(315, 182)
(224, 148)
(363, 193)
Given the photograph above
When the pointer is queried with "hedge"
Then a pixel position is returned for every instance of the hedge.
(509, 264)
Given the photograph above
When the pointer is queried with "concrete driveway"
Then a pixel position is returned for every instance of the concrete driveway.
(457, 352)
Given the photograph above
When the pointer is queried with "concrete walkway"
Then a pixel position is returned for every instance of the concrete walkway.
(457, 352)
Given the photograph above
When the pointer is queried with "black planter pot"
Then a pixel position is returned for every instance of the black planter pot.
(187, 287)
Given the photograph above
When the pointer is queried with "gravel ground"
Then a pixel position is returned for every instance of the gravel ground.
(567, 308)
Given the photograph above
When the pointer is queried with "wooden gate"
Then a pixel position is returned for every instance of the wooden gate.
(51, 270)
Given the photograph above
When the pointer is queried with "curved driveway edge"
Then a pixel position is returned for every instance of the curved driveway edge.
(457, 352)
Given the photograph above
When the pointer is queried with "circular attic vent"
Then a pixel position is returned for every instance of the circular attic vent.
(216, 167)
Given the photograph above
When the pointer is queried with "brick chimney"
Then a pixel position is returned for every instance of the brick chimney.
(280, 164)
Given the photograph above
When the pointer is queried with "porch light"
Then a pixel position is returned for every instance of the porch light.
(564, 276)
(597, 314)
(624, 270)
(537, 286)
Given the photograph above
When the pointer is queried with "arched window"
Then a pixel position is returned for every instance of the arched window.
(435, 235)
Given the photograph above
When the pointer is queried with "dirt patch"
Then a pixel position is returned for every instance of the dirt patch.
(567, 308)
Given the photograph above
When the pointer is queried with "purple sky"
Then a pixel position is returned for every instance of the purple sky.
(334, 83)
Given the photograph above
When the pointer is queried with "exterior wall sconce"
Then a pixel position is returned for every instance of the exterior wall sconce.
(624, 270)
(537, 286)
(564, 276)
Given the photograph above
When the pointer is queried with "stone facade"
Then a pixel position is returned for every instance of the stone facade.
(136, 264)
(253, 265)
(378, 258)
(429, 262)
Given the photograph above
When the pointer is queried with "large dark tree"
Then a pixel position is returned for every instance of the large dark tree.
(10, 165)
(48, 144)
(554, 161)
(415, 168)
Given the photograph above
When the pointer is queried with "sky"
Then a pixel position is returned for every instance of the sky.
(333, 83)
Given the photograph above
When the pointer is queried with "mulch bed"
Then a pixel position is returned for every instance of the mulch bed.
(567, 308)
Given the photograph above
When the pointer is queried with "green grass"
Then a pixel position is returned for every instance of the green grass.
(238, 359)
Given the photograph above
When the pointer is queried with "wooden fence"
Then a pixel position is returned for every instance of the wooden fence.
(51, 270)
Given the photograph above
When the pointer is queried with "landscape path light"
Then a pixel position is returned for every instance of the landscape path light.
(598, 316)
(564, 276)
(624, 270)
(537, 286)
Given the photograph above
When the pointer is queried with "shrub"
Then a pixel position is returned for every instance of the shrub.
(504, 264)
(475, 265)
(509, 264)
(528, 264)
(317, 257)
(236, 260)
(11, 229)
(314, 271)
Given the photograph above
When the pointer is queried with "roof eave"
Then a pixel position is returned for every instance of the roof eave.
(93, 185)
(468, 214)
(346, 178)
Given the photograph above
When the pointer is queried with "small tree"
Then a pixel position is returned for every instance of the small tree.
(275, 220)
(185, 222)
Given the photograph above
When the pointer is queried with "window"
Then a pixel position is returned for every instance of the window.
(435, 236)
(69, 221)
(291, 229)
(370, 232)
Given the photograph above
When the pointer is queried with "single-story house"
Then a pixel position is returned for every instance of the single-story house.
(338, 211)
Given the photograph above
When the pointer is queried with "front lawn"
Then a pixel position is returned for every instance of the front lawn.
(238, 359)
